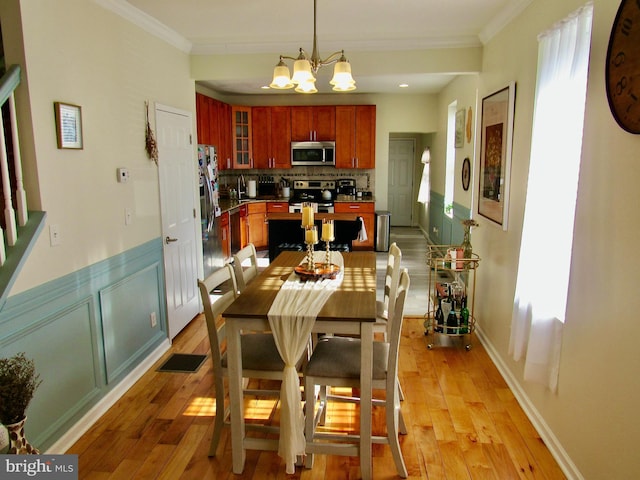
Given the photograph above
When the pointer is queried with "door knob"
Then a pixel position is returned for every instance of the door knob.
(170, 240)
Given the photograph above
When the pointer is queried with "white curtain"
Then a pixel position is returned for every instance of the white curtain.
(547, 235)
(291, 317)
(425, 183)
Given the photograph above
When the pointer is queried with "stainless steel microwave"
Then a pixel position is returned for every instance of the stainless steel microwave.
(313, 153)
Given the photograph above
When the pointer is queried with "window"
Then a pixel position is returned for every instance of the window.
(450, 160)
(556, 144)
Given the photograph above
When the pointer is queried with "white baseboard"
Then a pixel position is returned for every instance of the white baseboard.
(72, 435)
(551, 441)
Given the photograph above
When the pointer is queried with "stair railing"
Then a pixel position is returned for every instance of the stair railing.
(8, 84)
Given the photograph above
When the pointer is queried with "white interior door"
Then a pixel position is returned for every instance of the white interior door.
(400, 200)
(177, 176)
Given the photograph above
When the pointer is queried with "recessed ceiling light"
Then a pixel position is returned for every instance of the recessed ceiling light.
(403, 85)
(265, 87)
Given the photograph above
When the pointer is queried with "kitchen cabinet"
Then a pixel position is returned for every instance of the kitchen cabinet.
(277, 207)
(257, 226)
(365, 210)
(203, 119)
(224, 149)
(241, 128)
(224, 234)
(356, 136)
(213, 121)
(271, 135)
(317, 123)
(244, 225)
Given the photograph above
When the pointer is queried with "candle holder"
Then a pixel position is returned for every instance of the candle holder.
(307, 214)
(328, 236)
(310, 239)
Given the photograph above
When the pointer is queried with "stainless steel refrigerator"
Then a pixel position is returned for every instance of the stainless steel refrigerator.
(209, 208)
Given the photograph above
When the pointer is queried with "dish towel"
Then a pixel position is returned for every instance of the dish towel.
(362, 234)
(291, 317)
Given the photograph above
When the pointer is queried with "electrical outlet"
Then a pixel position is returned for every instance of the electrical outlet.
(55, 236)
(154, 320)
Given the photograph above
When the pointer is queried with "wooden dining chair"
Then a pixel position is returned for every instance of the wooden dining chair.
(260, 356)
(335, 362)
(391, 279)
(245, 271)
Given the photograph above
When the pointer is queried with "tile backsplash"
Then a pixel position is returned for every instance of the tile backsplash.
(365, 179)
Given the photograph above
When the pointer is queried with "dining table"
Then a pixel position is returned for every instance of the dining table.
(350, 310)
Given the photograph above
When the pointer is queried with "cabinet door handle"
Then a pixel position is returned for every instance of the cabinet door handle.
(170, 240)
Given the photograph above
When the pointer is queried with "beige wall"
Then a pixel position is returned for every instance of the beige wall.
(80, 53)
(591, 419)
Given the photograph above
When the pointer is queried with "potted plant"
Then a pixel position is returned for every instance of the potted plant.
(18, 382)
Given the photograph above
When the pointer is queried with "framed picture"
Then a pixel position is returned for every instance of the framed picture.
(68, 125)
(495, 154)
(460, 114)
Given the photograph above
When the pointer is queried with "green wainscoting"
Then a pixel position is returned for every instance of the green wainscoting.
(85, 331)
(444, 230)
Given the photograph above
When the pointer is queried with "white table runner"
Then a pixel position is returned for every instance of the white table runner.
(291, 317)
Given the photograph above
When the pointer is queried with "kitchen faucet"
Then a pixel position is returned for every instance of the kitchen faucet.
(241, 185)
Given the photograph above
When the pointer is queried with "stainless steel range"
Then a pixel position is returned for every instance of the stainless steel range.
(319, 192)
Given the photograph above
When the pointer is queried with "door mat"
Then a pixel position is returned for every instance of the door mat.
(183, 363)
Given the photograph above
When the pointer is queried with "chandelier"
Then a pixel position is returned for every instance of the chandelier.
(305, 69)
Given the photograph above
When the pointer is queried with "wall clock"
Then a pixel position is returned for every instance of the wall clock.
(466, 173)
(623, 67)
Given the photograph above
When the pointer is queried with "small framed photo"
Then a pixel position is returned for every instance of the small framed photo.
(68, 125)
(460, 119)
(495, 155)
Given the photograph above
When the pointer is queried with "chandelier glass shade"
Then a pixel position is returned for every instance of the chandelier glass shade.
(306, 67)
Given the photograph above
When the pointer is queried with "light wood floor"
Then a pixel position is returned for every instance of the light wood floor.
(463, 422)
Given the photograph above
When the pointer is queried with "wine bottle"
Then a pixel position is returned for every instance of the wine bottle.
(464, 317)
(439, 316)
(452, 319)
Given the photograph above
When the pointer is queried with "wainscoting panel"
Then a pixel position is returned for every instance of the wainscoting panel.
(443, 229)
(126, 309)
(64, 353)
(85, 331)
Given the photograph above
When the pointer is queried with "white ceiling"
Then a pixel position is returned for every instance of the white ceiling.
(386, 41)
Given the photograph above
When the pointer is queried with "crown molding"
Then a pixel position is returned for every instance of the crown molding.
(147, 23)
(504, 17)
(375, 45)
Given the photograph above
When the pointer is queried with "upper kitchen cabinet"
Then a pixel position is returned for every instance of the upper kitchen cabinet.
(356, 136)
(224, 147)
(213, 120)
(271, 134)
(241, 127)
(317, 123)
(203, 119)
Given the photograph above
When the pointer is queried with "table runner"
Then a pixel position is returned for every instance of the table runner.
(291, 317)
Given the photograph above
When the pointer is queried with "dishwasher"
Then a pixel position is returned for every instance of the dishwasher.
(234, 229)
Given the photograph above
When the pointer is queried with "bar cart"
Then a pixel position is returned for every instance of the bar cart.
(451, 302)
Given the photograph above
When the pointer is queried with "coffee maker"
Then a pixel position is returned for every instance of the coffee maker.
(346, 186)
